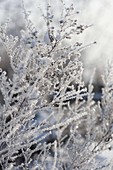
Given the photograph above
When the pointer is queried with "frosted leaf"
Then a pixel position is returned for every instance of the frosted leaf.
(58, 35)
(47, 38)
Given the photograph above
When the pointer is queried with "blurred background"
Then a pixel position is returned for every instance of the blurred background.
(99, 14)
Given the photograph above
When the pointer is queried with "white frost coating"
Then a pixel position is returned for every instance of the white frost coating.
(46, 38)
(46, 111)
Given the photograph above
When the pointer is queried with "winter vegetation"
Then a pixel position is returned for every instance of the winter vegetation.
(49, 117)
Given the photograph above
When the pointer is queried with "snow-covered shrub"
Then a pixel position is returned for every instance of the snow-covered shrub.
(49, 119)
